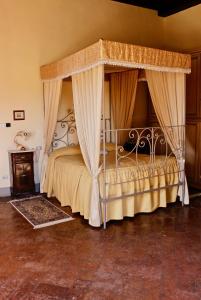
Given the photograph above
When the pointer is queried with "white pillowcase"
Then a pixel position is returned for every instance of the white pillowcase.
(103, 152)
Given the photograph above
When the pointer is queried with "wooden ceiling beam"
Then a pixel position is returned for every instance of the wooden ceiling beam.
(178, 6)
(140, 3)
(164, 7)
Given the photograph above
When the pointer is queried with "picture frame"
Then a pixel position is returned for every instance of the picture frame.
(18, 115)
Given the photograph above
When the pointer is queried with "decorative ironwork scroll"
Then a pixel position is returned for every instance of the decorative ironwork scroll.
(154, 142)
(65, 132)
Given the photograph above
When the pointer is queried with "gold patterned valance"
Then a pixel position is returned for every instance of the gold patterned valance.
(117, 54)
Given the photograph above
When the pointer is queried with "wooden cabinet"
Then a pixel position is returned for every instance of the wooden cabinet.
(192, 134)
(193, 89)
(193, 122)
(22, 172)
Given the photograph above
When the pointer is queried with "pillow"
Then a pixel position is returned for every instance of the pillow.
(102, 152)
(108, 146)
(70, 150)
(129, 145)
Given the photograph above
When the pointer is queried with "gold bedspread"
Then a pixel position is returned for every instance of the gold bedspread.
(69, 181)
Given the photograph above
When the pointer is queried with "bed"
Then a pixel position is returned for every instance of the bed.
(104, 184)
(70, 182)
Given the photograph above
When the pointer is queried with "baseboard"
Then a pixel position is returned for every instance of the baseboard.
(5, 191)
(37, 187)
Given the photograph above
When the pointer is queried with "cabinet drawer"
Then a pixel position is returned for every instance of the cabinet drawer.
(22, 157)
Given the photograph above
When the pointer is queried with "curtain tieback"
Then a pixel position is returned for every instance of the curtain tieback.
(96, 174)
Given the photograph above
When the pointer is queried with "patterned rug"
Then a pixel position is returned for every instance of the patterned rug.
(39, 212)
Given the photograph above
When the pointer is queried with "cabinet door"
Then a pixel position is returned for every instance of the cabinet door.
(23, 174)
(193, 88)
(191, 152)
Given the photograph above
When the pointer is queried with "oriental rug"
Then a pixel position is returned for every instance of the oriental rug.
(40, 212)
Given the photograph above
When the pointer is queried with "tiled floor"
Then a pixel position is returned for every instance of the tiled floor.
(153, 256)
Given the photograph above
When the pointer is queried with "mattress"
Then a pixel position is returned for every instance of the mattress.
(70, 182)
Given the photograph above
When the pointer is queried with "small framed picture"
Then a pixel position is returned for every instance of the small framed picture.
(18, 115)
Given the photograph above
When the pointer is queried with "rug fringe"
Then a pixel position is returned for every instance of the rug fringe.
(52, 223)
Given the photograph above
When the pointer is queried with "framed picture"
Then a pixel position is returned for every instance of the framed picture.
(18, 115)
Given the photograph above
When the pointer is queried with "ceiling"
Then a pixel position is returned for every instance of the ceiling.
(163, 7)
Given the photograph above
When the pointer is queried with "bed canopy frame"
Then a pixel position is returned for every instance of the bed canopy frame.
(117, 54)
(165, 73)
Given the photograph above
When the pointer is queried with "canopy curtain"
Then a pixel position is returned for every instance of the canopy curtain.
(168, 96)
(87, 97)
(51, 93)
(123, 92)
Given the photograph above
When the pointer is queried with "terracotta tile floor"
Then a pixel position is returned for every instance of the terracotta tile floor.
(152, 256)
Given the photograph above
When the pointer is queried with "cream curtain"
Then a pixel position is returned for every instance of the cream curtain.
(123, 92)
(87, 97)
(168, 96)
(52, 92)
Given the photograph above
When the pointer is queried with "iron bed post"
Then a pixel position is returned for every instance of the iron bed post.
(104, 159)
(152, 145)
(183, 159)
(104, 184)
(184, 148)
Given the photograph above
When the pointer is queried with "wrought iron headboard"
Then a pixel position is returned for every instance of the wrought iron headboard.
(66, 133)
(65, 130)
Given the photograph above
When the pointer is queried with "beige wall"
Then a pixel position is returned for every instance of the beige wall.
(40, 31)
(182, 30)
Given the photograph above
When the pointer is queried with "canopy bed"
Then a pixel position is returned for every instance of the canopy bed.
(110, 175)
